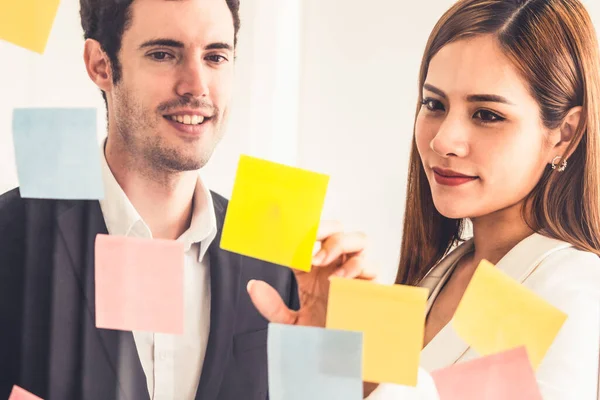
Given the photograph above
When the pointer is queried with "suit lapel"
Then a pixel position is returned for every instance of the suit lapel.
(225, 268)
(109, 358)
(519, 263)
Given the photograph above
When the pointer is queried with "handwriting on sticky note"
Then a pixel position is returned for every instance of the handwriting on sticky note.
(314, 363)
(392, 319)
(496, 313)
(18, 393)
(57, 153)
(27, 23)
(139, 284)
(501, 376)
(274, 213)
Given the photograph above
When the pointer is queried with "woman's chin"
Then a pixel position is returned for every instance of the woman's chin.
(451, 211)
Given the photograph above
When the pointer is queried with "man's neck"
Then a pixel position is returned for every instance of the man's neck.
(164, 200)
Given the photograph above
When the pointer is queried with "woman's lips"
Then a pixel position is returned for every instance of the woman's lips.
(448, 177)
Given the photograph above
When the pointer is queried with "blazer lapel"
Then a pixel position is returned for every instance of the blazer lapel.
(447, 347)
(108, 358)
(225, 273)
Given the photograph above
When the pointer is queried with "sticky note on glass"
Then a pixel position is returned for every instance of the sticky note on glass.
(27, 23)
(18, 393)
(57, 153)
(314, 363)
(501, 376)
(496, 314)
(392, 319)
(274, 213)
(139, 284)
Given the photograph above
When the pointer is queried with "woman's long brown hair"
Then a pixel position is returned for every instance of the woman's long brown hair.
(553, 44)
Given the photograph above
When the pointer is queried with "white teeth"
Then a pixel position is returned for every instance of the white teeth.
(187, 119)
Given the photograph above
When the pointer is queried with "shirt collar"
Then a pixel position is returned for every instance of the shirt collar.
(122, 218)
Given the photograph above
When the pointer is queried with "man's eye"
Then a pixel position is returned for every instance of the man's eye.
(216, 58)
(160, 56)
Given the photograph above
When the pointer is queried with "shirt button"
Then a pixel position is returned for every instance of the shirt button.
(163, 355)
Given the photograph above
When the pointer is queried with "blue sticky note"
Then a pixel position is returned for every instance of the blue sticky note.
(314, 363)
(57, 153)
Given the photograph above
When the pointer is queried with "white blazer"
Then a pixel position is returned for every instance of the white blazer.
(567, 278)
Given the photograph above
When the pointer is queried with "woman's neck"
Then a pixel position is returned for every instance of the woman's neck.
(497, 233)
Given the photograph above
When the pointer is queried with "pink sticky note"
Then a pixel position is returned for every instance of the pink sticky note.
(139, 284)
(22, 394)
(501, 376)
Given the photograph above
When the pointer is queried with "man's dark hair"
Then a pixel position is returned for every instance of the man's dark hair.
(106, 21)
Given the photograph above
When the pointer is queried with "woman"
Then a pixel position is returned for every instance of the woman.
(507, 136)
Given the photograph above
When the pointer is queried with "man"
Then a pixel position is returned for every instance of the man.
(165, 69)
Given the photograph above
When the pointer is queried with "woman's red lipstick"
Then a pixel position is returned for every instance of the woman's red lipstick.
(447, 177)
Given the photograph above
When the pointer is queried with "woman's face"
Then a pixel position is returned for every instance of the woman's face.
(479, 131)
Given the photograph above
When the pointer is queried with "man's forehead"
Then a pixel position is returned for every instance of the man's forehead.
(192, 22)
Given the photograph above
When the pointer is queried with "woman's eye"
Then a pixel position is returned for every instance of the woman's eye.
(432, 104)
(488, 116)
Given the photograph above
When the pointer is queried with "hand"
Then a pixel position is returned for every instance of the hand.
(341, 254)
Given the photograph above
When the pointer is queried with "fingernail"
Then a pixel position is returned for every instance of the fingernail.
(249, 285)
(319, 257)
(340, 273)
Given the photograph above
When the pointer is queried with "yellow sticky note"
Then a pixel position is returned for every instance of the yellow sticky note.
(392, 319)
(496, 314)
(27, 23)
(274, 213)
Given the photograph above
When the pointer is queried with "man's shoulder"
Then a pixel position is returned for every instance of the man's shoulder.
(12, 208)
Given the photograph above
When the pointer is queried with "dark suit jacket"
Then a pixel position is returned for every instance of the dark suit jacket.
(49, 344)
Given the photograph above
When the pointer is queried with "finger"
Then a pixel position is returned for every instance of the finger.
(269, 303)
(355, 268)
(337, 244)
(328, 228)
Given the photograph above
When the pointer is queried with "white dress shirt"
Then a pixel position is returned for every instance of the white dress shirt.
(172, 363)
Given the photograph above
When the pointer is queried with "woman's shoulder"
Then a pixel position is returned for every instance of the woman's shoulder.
(568, 269)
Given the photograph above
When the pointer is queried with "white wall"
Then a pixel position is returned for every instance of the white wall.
(358, 99)
(328, 85)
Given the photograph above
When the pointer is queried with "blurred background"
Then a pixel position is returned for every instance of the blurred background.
(325, 85)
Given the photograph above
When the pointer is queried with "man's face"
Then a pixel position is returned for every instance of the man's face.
(177, 58)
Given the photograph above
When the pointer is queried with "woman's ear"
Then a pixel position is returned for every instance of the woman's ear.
(562, 137)
(97, 65)
(570, 124)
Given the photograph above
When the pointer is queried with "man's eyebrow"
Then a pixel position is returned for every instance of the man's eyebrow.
(180, 45)
(219, 46)
(162, 42)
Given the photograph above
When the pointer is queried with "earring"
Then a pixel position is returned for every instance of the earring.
(562, 166)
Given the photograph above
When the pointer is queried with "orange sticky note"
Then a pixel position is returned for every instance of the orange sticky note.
(274, 213)
(139, 284)
(496, 314)
(18, 393)
(392, 319)
(27, 23)
(501, 376)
